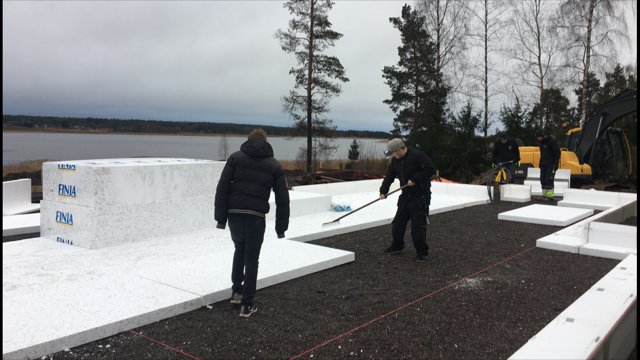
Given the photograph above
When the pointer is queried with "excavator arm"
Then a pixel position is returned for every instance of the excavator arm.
(602, 117)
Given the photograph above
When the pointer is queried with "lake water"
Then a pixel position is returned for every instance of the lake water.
(19, 147)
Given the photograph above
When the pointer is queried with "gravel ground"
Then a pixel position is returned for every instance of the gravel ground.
(483, 292)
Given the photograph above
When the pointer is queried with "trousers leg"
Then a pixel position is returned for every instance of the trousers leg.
(419, 212)
(252, 227)
(239, 240)
(399, 225)
(546, 178)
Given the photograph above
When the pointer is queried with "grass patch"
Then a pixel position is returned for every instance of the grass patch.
(25, 167)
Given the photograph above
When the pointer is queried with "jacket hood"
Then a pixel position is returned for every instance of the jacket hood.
(257, 148)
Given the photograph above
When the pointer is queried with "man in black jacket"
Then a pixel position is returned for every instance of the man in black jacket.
(242, 198)
(506, 150)
(414, 169)
(549, 159)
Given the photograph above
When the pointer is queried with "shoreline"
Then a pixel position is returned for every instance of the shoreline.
(109, 132)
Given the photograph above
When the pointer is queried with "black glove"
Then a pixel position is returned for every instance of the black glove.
(280, 236)
(220, 226)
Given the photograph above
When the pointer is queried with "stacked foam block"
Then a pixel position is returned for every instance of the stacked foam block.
(107, 202)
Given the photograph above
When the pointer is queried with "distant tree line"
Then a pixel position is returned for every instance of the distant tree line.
(28, 122)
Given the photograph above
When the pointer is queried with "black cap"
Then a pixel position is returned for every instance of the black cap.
(539, 133)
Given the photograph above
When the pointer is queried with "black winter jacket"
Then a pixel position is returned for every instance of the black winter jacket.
(509, 151)
(246, 182)
(549, 152)
(414, 166)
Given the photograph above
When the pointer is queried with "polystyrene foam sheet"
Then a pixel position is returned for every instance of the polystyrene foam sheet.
(91, 294)
(20, 224)
(113, 182)
(570, 244)
(546, 215)
(103, 226)
(301, 203)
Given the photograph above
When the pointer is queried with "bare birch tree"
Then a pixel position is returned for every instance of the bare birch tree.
(488, 36)
(447, 21)
(536, 43)
(591, 29)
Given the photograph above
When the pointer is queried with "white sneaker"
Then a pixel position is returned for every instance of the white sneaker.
(236, 298)
(247, 310)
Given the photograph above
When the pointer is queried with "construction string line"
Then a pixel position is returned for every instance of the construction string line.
(408, 304)
(165, 345)
(360, 326)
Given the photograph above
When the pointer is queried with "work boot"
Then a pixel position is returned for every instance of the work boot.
(550, 194)
(544, 196)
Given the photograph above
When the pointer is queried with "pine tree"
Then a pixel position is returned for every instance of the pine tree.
(354, 151)
(308, 35)
(467, 146)
(517, 124)
(616, 82)
(416, 99)
(554, 113)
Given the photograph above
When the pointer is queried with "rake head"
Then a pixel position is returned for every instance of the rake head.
(331, 223)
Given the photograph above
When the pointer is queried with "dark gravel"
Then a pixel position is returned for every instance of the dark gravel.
(483, 292)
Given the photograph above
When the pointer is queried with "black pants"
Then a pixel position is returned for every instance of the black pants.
(546, 177)
(416, 210)
(247, 233)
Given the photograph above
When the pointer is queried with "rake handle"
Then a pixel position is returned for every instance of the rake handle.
(369, 203)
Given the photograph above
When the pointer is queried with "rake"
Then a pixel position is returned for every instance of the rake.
(337, 221)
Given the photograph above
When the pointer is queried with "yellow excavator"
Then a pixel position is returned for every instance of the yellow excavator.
(595, 151)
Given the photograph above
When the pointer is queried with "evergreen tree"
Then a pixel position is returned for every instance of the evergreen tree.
(308, 35)
(354, 151)
(517, 124)
(466, 145)
(554, 112)
(616, 82)
(416, 99)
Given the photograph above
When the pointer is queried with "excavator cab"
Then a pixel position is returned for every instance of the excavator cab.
(611, 156)
(604, 148)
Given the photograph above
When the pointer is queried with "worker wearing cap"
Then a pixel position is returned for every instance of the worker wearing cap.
(549, 159)
(414, 169)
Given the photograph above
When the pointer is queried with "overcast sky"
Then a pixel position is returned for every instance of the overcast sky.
(193, 61)
(185, 61)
